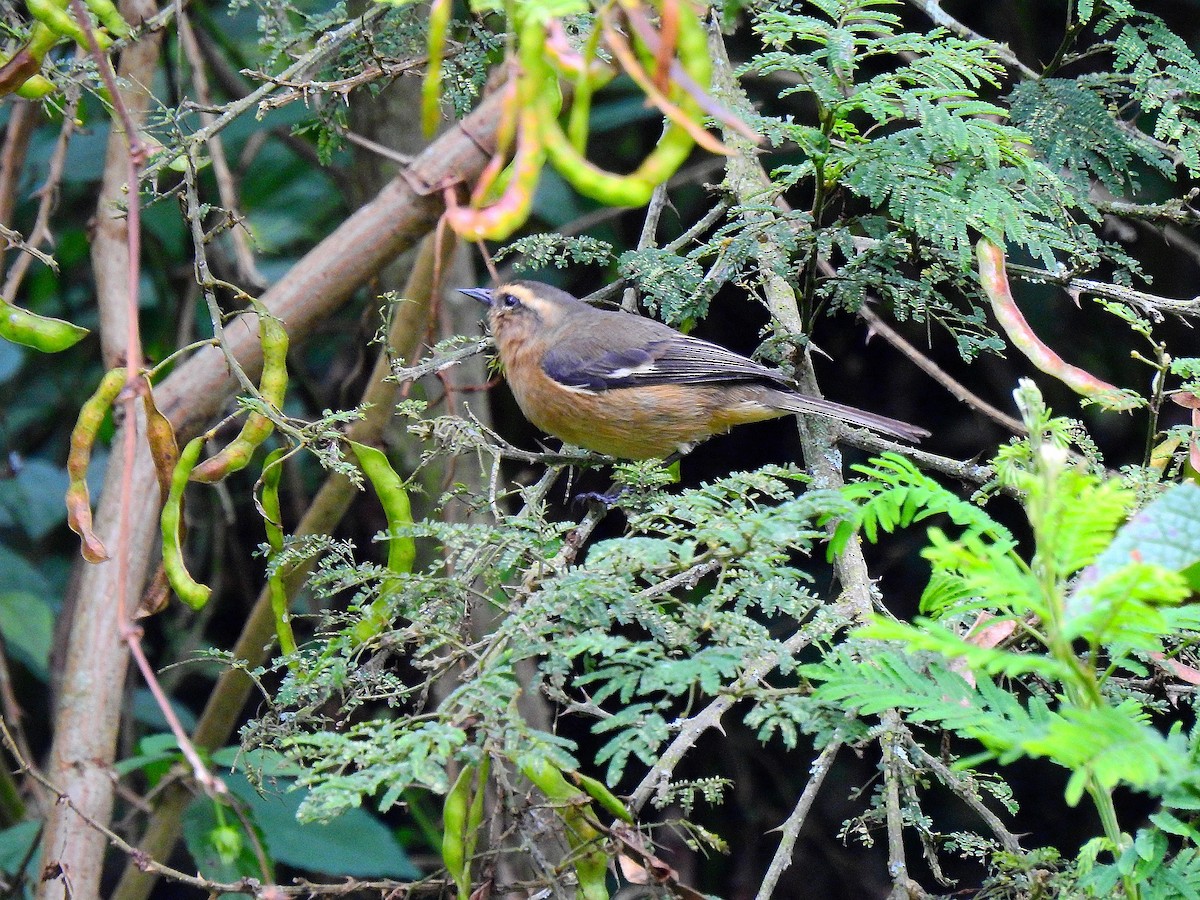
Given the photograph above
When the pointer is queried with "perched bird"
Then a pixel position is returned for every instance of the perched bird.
(632, 387)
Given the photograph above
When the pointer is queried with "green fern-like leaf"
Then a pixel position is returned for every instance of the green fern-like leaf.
(1073, 129)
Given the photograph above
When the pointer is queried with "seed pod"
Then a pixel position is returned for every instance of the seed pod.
(190, 591)
(402, 549)
(599, 792)
(53, 14)
(588, 856)
(389, 487)
(109, 17)
(161, 437)
(83, 437)
(272, 521)
(455, 810)
(257, 427)
(39, 332)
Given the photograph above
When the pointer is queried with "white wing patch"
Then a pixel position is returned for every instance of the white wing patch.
(646, 368)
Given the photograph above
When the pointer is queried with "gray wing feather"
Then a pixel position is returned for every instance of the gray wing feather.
(673, 359)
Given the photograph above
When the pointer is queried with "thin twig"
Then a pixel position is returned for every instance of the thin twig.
(205, 280)
(243, 255)
(930, 368)
(691, 729)
(327, 45)
(47, 196)
(1150, 303)
(658, 202)
(966, 792)
(893, 729)
(933, 10)
(790, 830)
(22, 122)
(366, 143)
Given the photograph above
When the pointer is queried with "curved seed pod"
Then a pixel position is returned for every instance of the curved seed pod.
(489, 181)
(257, 427)
(475, 813)
(272, 521)
(994, 281)
(498, 220)
(39, 332)
(686, 113)
(185, 586)
(502, 218)
(566, 152)
(83, 437)
(161, 437)
(389, 487)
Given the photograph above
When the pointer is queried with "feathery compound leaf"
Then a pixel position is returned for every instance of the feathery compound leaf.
(896, 494)
(1072, 128)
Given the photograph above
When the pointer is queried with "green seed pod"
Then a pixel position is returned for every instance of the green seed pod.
(402, 549)
(39, 332)
(599, 792)
(185, 586)
(389, 487)
(272, 521)
(35, 88)
(109, 17)
(257, 427)
(455, 811)
(53, 14)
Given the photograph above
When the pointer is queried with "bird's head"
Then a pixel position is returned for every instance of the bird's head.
(521, 311)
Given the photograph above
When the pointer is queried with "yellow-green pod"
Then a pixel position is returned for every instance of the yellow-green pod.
(109, 16)
(599, 792)
(35, 88)
(475, 813)
(83, 438)
(507, 214)
(55, 17)
(39, 332)
(258, 427)
(273, 523)
(550, 781)
(389, 487)
(455, 812)
(190, 591)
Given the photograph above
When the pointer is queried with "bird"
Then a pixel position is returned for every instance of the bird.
(631, 387)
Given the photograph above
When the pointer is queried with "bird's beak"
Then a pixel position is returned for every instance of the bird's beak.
(483, 295)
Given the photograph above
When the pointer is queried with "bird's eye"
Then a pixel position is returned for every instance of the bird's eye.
(509, 301)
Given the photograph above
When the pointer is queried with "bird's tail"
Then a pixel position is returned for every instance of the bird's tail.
(802, 403)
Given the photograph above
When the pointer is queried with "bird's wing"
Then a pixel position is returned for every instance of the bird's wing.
(666, 359)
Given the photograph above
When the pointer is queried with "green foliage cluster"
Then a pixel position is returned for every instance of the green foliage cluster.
(655, 621)
(1044, 652)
